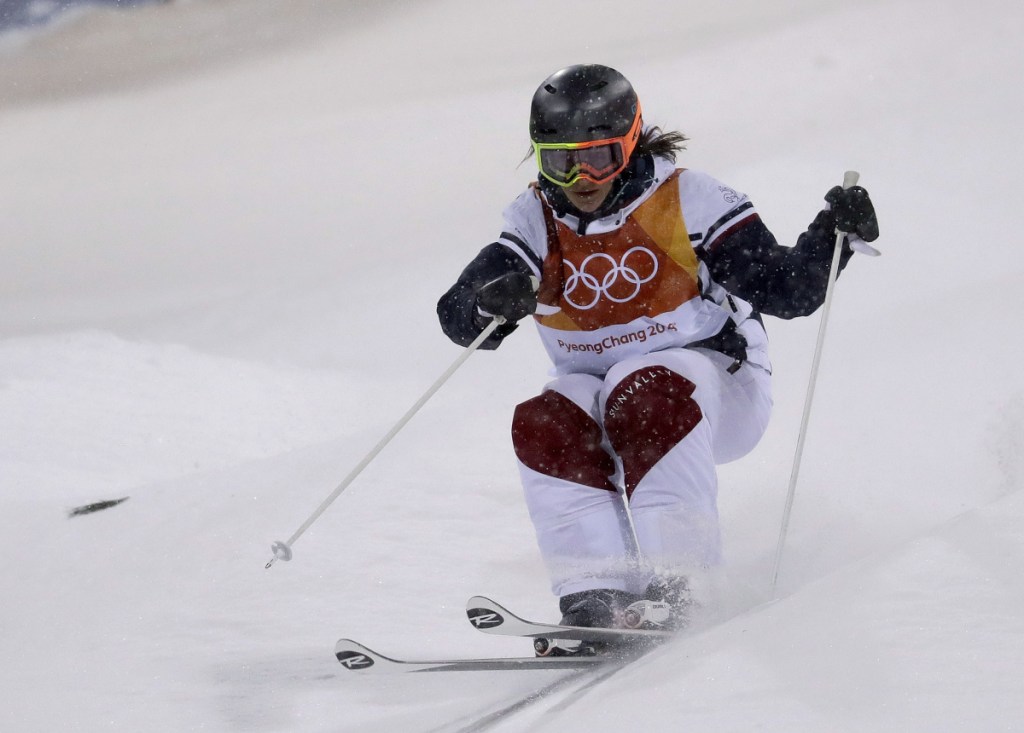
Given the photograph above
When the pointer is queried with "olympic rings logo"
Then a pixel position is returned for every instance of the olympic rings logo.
(592, 287)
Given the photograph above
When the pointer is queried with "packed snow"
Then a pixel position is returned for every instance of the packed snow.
(225, 228)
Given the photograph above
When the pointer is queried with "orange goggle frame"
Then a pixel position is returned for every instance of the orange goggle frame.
(596, 160)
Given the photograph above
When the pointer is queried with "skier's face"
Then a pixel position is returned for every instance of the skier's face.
(588, 196)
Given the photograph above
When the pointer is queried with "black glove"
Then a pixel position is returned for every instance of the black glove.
(854, 212)
(510, 296)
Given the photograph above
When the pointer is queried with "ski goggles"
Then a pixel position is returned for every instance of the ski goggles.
(597, 161)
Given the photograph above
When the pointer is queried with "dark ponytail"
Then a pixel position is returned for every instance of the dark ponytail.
(660, 144)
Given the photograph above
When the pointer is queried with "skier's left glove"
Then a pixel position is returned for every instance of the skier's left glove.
(854, 212)
(510, 296)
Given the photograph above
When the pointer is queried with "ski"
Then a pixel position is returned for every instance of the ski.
(493, 618)
(358, 658)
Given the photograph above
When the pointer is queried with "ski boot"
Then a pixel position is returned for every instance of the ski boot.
(667, 604)
(589, 608)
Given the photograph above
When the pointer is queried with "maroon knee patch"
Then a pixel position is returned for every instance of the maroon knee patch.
(554, 436)
(646, 415)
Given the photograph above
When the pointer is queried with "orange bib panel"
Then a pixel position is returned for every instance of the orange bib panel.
(644, 268)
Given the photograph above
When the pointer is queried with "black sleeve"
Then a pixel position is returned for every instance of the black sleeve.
(460, 320)
(785, 282)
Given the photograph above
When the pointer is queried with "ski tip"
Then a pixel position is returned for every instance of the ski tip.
(485, 604)
(355, 656)
(349, 643)
(482, 601)
(488, 616)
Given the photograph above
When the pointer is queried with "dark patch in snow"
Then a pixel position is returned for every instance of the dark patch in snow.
(95, 507)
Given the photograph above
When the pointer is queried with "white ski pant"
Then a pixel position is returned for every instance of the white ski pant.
(648, 434)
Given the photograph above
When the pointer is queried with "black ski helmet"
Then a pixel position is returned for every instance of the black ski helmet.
(581, 103)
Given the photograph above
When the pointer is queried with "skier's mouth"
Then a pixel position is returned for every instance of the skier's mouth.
(587, 196)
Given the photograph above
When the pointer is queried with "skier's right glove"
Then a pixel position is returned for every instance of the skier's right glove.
(854, 212)
(510, 296)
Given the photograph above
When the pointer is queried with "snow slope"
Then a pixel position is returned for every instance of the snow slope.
(225, 229)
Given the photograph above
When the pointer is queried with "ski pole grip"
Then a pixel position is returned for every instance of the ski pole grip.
(850, 179)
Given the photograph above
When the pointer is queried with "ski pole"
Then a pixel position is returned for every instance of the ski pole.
(850, 179)
(283, 550)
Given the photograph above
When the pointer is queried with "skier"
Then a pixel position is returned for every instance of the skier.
(646, 282)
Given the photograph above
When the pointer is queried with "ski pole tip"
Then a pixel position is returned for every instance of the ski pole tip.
(281, 551)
